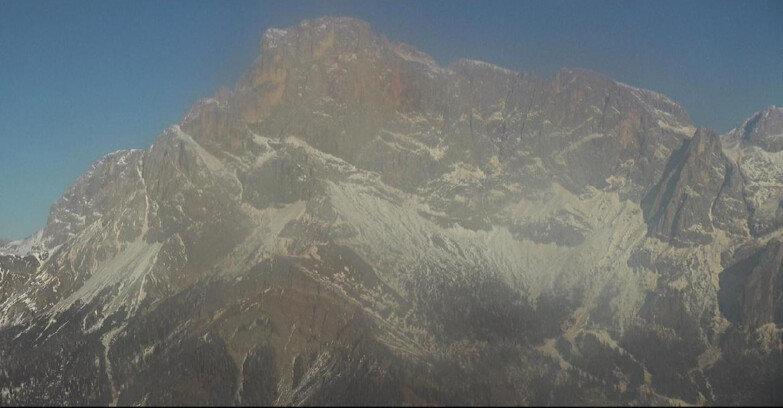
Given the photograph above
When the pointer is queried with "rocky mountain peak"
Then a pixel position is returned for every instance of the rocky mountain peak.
(352, 223)
(763, 129)
(342, 28)
(318, 40)
(700, 189)
(755, 147)
(350, 89)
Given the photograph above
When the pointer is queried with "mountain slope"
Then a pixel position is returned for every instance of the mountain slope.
(354, 224)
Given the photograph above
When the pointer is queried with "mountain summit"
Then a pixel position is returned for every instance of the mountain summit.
(354, 224)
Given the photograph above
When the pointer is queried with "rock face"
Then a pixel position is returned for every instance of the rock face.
(755, 148)
(753, 292)
(763, 297)
(354, 224)
(700, 190)
(763, 129)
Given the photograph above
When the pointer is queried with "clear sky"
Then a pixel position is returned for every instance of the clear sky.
(82, 79)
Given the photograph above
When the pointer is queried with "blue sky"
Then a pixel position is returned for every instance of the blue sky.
(82, 79)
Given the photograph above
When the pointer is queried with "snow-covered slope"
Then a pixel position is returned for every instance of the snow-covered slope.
(354, 224)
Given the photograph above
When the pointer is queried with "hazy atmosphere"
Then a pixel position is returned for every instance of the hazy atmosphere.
(83, 78)
(391, 203)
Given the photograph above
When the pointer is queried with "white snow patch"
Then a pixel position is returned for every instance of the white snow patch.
(686, 130)
(126, 268)
(28, 246)
(486, 65)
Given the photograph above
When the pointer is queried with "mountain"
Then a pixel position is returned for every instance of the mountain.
(354, 224)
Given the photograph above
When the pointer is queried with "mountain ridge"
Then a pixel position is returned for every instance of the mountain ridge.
(353, 217)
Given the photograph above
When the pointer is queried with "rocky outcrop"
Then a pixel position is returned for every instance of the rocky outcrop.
(755, 147)
(763, 129)
(700, 190)
(763, 294)
(752, 286)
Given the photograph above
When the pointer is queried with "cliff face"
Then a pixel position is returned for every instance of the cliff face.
(754, 147)
(353, 223)
(763, 294)
(700, 190)
(751, 287)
